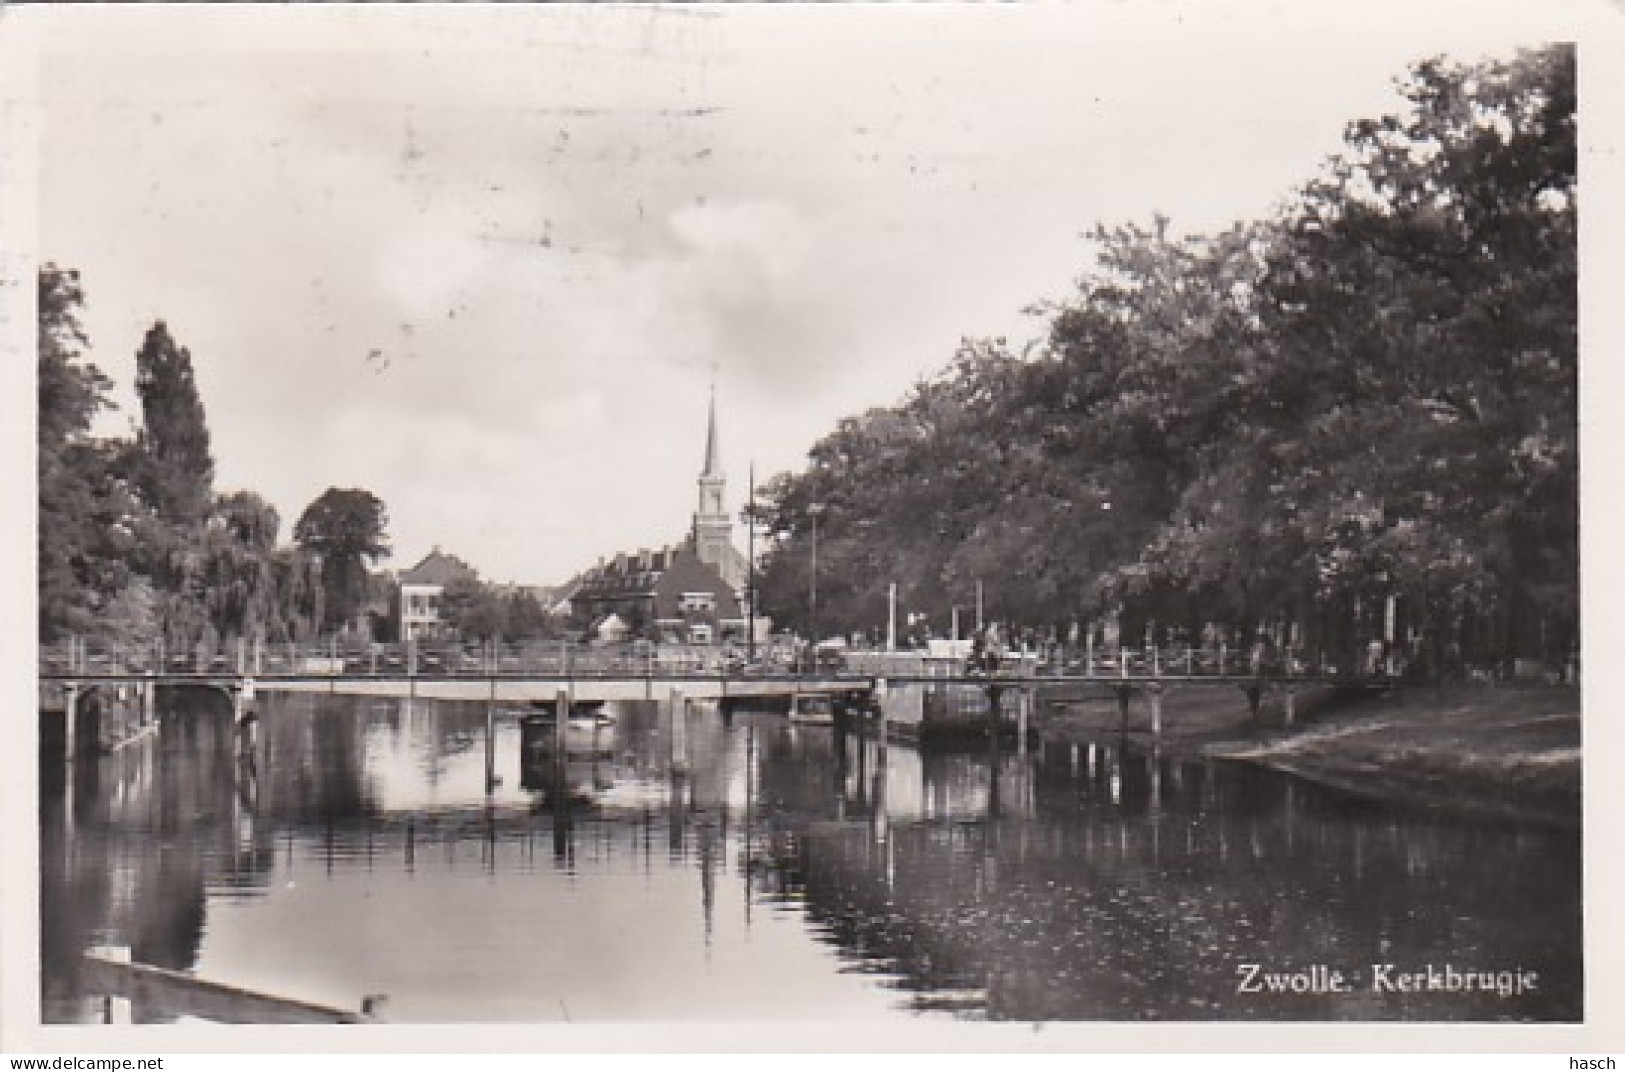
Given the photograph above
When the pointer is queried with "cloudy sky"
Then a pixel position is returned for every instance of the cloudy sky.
(487, 262)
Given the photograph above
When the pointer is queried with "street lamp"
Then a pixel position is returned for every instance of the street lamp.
(815, 511)
(750, 568)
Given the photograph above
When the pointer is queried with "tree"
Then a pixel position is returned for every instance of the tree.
(524, 618)
(345, 528)
(470, 607)
(84, 511)
(1370, 395)
(1425, 309)
(174, 469)
(251, 520)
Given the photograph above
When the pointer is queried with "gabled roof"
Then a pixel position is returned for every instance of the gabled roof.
(439, 568)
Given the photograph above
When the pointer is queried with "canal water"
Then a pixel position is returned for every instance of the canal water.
(741, 867)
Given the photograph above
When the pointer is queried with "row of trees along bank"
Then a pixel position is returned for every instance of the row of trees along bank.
(135, 545)
(137, 548)
(1368, 396)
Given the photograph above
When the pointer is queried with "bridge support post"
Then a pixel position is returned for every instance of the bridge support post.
(1124, 695)
(244, 720)
(1153, 694)
(70, 705)
(1289, 700)
(679, 730)
(880, 696)
(491, 739)
(561, 720)
(1255, 698)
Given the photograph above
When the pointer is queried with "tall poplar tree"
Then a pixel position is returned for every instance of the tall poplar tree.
(175, 470)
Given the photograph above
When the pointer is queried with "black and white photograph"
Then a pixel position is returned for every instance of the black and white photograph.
(824, 522)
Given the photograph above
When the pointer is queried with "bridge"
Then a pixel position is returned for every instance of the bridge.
(910, 693)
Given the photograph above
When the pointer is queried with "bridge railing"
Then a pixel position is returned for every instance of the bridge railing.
(556, 659)
(566, 659)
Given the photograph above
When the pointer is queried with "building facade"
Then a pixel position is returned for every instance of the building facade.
(667, 595)
(421, 590)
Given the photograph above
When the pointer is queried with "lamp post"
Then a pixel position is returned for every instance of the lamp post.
(750, 567)
(814, 511)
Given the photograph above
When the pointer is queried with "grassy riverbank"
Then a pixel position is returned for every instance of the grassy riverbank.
(1500, 750)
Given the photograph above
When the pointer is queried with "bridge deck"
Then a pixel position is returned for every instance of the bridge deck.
(659, 686)
(581, 689)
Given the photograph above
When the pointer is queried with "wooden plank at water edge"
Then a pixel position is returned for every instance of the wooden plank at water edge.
(171, 993)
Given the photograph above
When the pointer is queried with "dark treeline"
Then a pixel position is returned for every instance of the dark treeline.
(135, 545)
(1368, 399)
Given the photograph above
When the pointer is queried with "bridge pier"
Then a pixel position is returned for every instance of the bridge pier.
(70, 713)
(679, 730)
(562, 702)
(247, 723)
(880, 692)
(491, 742)
(1153, 693)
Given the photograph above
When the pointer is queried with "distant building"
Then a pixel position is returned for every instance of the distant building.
(668, 595)
(422, 587)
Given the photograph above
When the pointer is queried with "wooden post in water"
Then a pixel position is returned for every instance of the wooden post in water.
(561, 720)
(70, 703)
(490, 739)
(679, 729)
(1124, 695)
(1154, 695)
(880, 696)
(1289, 700)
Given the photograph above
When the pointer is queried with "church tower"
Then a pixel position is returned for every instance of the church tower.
(713, 528)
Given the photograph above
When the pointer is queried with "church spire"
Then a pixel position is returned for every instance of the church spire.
(713, 528)
(713, 464)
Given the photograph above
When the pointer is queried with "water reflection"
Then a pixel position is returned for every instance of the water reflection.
(730, 865)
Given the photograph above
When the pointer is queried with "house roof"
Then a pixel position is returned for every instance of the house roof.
(439, 568)
(660, 576)
(628, 574)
